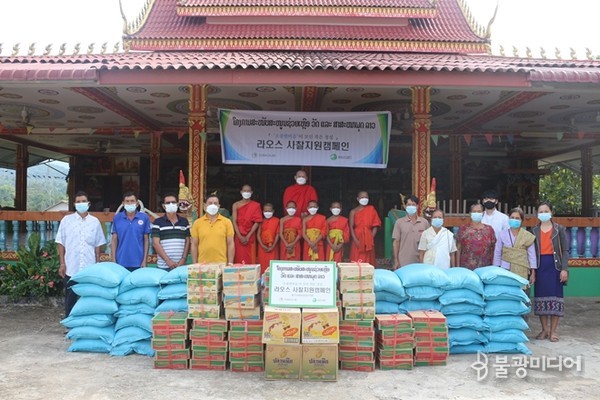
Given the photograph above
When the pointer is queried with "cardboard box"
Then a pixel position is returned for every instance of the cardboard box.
(204, 311)
(177, 321)
(241, 347)
(281, 325)
(249, 301)
(199, 346)
(211, 365)
(356, 287)
(172, 354)
(241, 288)
(385, 365)
(246, 337)
(209, 355)
(320, 325)
(241, 272)
(356, 347)
(362, 338)
(356, 271)
(247, 357)
(209, 271)
(358, 300)
(204, 335)
(355, 313)
(174, 344)
(431, 317)
(197, 287)
(357, 356)
(208, 298)
(211, 325)
(393, 321)
(365, 366)
(232, 314)
(166, 334)
(171, 364)
(283, 361)
(247, 366)
(319, 362)
(356, 326)
(245, 326)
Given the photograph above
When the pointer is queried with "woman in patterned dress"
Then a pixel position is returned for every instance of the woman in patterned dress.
(475, 242)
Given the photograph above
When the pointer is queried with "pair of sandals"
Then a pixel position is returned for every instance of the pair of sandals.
(545, 335)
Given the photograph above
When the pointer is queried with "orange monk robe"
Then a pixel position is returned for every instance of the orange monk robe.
(292, 227)
(247, 216)
(301, 195)
(269, 229)
(338, 232)
(315, 226)
(364, 222)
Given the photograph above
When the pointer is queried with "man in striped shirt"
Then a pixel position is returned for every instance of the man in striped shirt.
(171, 235)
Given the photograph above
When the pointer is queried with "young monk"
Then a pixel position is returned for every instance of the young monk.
(246, 215)
(364, 222)
(268, 238)
(314, 230)
(290, 233)
(338, 233)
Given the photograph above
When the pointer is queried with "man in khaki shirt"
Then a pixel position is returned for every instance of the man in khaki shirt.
(407, 233)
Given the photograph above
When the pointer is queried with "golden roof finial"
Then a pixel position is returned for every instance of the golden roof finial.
(31, 49)
(116, 48)
(488, 30)
(515, 51)
(123, 17)
(573, 54)
(557, 53)
(63, 48)
(0, 48)
(76, 49)
(528, 52)
(48, 49)
(502, 53)
(103, 48)
(588, 53)
(90, 48)
(543, 53)
(16, 49)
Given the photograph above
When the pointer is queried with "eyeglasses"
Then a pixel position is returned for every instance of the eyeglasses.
(171, 202)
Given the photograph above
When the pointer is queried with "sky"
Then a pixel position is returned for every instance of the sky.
(521, 23)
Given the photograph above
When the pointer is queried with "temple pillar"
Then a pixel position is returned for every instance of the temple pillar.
(155, 138)
(72, 182)
(21, 177)
(456, 168)
(421, 136)
(197, 151)
(587, 185)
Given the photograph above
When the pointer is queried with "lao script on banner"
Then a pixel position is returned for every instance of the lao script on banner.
(350, 139)
(302, 284)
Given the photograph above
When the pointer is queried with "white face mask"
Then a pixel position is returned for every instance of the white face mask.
(82, 207)
(130, 207)
(212, 209)
(246, 195)
(291, 211)
(336, 211)
(301, 181)
(364, 201)
(268, 214)
(171, 208)
(313, 210)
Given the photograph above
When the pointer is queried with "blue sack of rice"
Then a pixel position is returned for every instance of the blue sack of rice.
(422, 275)
(176, 275)
(93, 290)
(506, 307)
(130, 334)
(386, 280)
(143, 321)
(142, 277)
(175, 305)
(461, 308)
(148, 295)
(494, 275)
(143, 347)
(90, 346)
(389, 297)
(383, 307)
(93, 305)
(173, 291)
(105, 334)
(463, 278)
(507, 335)
(468, 349)
(97, 320)
(106, 274)
(470, 321)
(412, 305)
(465, 336)
(507, 347)
(131, 309)
(423, 293)
(456, 296)
(505, 292)
(502, 322)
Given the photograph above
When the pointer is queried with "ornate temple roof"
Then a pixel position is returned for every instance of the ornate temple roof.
(443, 26)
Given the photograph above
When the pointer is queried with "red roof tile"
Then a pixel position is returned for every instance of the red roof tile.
(164, 29)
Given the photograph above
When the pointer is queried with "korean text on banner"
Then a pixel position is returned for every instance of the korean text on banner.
(302, 284)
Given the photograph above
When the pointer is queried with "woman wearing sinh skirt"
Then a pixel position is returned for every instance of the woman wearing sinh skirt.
(552, 251)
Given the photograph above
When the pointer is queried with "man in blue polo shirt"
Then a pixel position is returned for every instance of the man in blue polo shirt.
(171, 235)
(130, 231)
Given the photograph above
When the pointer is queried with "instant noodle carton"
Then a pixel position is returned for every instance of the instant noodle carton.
(208, 298)
(173, 344)
(320, 325)
(208, 271)
(319, 362)
(245, 326)
(356, 287)
(249, 301)
(210, 325)
(170, 322)
(247, 366)
(356, 313)
(198, 287)
(283, 361)
(431, 337)
(395, 341)
(206, 335)
(232, 314)
(210, 365)
(358, 300)
(241, 288)
(356, 326)
(356, 271)
(204, 311)
(281, 325)
(241, 273)
(357, 356)
(365, 366)
(172, 354)
(171, 364)
(246, 337)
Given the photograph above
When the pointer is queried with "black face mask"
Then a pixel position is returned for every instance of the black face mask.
(489, 205)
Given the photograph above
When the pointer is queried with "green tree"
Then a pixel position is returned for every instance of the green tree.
(562, 188)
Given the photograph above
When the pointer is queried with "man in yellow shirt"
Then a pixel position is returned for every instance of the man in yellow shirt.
(212, 235)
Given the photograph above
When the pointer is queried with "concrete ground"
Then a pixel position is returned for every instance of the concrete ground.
(34, 364)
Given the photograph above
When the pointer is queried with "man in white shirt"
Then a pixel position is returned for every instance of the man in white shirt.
(79, 238)
(492, 217)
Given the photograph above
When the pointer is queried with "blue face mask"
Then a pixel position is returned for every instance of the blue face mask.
(514, 223)
(411, 210)
(82, 207)
(544, 217)
(476, 216)
(437, 222)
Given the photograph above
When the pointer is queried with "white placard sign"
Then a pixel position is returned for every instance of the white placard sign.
(302, 284)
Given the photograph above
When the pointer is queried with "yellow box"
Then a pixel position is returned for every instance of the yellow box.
(241, 272)
(209, 298)
(283, 361)
(356, 272)
(358, 300)
(242, 313)
(356, 287)
(205, 271)
(320, 325)
(244, 301)
(204, 311)
(281, 325)
(319, 362)
(241, 288)
(201, 286)
(359, 313)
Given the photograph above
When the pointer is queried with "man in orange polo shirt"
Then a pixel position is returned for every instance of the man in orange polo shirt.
(212, 235)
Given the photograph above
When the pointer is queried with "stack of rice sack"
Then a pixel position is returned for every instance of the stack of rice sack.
(463, 305)
(395, 341)
(92, 321)
(169, 340)
(173, 291)
(505, 305)
(389, 292)
(133, 332)
(431, 338)
(424, 284)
